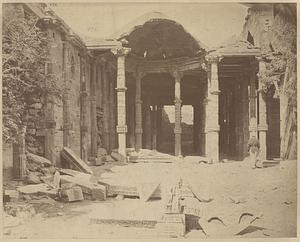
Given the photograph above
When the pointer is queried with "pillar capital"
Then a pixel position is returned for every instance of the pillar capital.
(213, 58)
(120, 51)
(177, 74)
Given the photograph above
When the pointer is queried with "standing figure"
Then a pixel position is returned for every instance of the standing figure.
(253, 149)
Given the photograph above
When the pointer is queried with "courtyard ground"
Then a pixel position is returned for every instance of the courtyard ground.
(231, 188)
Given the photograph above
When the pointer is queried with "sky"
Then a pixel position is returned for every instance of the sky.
(212, 23)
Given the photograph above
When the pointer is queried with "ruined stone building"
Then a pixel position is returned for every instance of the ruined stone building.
(115, 89)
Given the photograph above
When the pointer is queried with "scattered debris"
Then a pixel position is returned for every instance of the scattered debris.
(91, 191)
(69, 156)
(33, 178)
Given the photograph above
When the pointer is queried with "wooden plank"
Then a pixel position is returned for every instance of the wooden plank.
(96, 191)
(72, 158)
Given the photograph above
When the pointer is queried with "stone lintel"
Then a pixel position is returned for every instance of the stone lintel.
(121, 129)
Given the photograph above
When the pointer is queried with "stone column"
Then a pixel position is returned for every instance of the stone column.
(121, 100)
(131, 116)
(212, 127)
(252, 104)
(19, 156)
(148, 138)
(106, 133)
(93, 112)
(158, 125)
(112, 140)
(138, 112)
(66, 97)
(50, 123)
(84, 112)
(196, 127)
(177, 102)
(262, 116)
(154, 127)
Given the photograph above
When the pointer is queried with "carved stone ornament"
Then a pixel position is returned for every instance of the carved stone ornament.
(213, 58)
(120, 51)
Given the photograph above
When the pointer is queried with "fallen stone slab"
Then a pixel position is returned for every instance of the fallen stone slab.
(92, 191)
(77, 174)
(70, 156)
(39, 160)
(37, 188)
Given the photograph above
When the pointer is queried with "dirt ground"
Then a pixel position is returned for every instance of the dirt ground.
(232, 187)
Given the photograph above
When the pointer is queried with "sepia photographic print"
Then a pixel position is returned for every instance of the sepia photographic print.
(149, 120)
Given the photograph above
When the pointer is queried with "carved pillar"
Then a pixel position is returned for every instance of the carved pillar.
(154, 127)
(131, 116)
(106, 107)
(212, 127)
(177, 102)
(262, 116)
(252, 104)
(138, 113)
(112, 140)
(83, 112)
(121, 100)
(19, 156)
(196, 127)
(66, 97)
(148, 140)
(50, 123)
(158, 125)
(93, 111)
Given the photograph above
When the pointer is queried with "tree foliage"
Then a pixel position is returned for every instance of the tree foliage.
(25, 50)
(281, 61)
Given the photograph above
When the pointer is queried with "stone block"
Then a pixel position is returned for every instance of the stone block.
(72, 194)
(172, 225)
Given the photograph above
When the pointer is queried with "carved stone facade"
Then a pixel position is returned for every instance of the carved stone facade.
(110, 94)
